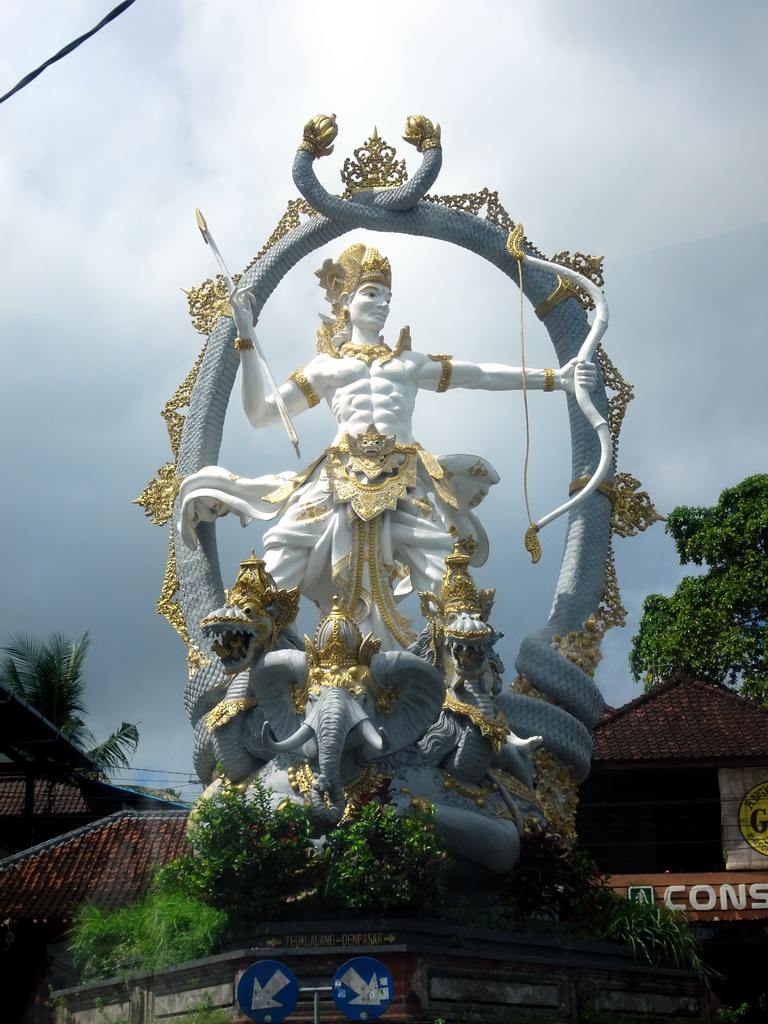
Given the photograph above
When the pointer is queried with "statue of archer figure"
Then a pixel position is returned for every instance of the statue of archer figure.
(375, 516)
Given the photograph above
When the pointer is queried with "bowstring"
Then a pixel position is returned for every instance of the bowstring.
(525, 396)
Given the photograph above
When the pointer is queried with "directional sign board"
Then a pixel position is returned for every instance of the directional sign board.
(267, 991)
(362, 988)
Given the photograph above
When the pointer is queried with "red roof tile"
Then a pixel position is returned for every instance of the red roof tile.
(683, 719)
(60, 795)
(109, 863)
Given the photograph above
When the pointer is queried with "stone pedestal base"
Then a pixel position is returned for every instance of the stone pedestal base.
(461, 975)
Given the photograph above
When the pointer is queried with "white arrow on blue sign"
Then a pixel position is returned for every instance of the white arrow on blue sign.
(362, 988)
(267, 991)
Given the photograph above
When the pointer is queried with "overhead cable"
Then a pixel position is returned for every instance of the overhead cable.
(68, 49)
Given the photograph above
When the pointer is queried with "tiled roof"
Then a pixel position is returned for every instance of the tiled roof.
(109, 863)
(60, 795)
(683, 719)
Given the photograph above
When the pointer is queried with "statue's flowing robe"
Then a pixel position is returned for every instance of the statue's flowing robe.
(346, 531)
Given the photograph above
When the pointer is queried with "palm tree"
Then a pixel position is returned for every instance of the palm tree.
(48, 675)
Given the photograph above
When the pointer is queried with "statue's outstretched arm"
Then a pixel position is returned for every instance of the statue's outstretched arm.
(498, 377)
(258, 406)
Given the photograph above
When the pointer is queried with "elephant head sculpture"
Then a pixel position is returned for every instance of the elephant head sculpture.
(342, 704)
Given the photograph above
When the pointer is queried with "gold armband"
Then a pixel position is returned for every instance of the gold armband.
(307, 390)
(549, 379)
(445, 376)
(243, 344)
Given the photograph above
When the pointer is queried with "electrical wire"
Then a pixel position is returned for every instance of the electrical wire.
(67, 49)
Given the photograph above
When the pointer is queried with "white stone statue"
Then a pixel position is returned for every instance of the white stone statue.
(376, 514)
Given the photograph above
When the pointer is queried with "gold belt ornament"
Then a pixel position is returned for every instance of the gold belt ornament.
(370, 499)
(399, 463)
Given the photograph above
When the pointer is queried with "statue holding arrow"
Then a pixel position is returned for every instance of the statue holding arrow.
(375, 504)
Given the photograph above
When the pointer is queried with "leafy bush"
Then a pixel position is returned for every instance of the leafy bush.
(248, 859)
(729, 1015)
(382, 862)
(565, 885)
(554, 881)
(154, 932)
(256, 862)
(658, 933)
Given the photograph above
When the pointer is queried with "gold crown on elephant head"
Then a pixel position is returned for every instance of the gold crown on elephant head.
(459, 592)
(338, 643)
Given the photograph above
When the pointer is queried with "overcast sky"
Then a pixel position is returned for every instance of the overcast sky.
(636, 131)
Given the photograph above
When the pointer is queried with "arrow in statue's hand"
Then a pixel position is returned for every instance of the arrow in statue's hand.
(279, 402)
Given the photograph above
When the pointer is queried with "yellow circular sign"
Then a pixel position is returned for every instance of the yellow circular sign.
(753, 818)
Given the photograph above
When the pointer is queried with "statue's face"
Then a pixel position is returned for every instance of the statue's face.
(369, 306)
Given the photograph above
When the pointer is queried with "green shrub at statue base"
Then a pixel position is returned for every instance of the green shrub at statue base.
(156, 931)
(251, 863)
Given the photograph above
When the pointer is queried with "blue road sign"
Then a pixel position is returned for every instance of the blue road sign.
(362, 988)
(267, 991)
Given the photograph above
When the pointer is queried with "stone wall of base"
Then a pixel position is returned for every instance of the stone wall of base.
(461, 975)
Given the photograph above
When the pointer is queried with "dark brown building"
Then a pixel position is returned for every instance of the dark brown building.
(676, 811)
(66, 838)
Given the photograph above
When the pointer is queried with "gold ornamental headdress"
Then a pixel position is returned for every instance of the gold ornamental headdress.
(459, 599)
(458, 592)
(254, 591)
(355, 266)
(253, 586)
(374, 167)
(374, 267)
(338, 642)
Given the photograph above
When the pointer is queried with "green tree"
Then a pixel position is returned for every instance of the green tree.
(714, 626)
(48, 675)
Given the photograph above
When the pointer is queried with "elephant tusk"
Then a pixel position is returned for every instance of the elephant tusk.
(376, 738)
(302, 734)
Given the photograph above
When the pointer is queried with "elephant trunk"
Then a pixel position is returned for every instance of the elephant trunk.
(332, 728)
(327, 801)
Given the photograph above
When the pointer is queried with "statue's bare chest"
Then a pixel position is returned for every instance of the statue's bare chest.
(394, 377)
(382, 394)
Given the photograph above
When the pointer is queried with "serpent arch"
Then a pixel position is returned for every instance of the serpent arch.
(562, 702)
